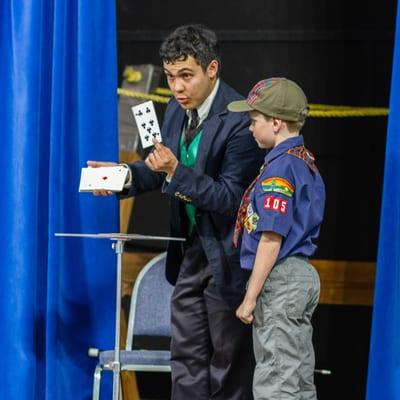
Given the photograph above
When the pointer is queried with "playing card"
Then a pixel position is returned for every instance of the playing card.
(147, 123)
(103, 178)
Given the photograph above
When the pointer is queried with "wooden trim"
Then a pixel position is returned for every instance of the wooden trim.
(126, 205)
(346, 282)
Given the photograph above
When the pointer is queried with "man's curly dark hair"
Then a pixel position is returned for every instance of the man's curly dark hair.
(191, 40)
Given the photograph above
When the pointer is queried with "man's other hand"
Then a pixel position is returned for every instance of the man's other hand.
(97, 164)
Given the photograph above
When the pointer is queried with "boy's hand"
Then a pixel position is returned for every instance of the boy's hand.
(245, 311)
(162, 159)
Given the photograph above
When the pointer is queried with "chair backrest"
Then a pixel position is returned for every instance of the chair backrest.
(150, 313)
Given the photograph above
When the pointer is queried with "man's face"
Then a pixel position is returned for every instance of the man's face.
(189, 83)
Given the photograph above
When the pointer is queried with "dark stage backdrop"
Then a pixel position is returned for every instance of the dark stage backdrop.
(341, 54)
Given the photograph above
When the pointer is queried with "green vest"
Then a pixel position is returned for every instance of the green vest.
(188, 157)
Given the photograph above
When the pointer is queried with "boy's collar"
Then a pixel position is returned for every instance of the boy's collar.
(283, 147)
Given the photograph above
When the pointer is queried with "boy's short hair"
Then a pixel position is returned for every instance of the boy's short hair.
(293, 127)
(191, 40)
(275, 97)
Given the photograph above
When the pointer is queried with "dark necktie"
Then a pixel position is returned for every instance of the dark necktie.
(191, 126)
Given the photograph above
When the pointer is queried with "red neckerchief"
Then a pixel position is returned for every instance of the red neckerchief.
(299, 152)
(242, 212)
(304, 154)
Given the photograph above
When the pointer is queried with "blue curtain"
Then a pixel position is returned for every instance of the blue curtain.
(384, 359)
(58, 108)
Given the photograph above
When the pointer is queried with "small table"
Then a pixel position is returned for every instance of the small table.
(118, 240)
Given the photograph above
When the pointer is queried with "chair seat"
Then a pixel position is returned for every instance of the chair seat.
(137, 357)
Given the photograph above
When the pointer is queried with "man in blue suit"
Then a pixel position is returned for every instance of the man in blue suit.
(207, 159)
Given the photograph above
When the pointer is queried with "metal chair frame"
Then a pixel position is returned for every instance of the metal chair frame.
(129, 340)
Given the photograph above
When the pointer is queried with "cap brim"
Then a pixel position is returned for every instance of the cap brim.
(239, 106)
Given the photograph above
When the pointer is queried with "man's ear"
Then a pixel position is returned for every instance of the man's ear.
(212, 69)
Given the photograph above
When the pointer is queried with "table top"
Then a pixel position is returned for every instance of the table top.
(119, 236)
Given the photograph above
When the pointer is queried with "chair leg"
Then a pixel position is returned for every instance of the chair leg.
(96, 382)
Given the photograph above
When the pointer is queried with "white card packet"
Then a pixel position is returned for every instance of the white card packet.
(103, 178)
(147, 123)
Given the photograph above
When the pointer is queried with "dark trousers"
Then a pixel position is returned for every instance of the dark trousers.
(211, 350)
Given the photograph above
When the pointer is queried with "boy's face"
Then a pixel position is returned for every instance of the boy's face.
(189, 83)
(263, 130)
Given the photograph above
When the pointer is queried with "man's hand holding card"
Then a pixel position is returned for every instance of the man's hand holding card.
(162, 159)
(106, 178)
(103, 178)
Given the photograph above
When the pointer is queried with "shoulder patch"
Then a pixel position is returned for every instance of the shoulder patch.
(278, 185)
(275, 204)
(251, 220)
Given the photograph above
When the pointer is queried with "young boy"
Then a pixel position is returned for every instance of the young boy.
(281, 213)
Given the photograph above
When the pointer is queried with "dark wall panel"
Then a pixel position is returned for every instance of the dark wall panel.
(257, 14)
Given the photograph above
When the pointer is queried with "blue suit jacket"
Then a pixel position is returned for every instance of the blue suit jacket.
(227, 161)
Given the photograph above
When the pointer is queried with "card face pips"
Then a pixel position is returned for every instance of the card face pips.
(147, 123)
(103, 178)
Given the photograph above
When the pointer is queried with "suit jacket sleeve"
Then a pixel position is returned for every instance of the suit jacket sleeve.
(222, 192)
(143, 180)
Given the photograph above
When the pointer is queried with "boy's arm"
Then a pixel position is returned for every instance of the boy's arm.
(267, 253)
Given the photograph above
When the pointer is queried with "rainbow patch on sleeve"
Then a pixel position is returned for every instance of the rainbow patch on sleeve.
(278, 185)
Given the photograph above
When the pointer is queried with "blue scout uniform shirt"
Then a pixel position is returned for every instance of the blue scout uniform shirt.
(288, 198)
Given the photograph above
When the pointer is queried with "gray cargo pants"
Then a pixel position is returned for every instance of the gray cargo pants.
(282, 332)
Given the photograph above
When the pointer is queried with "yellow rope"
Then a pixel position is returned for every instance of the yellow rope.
(145, 96)
(330, 111)
(316, 110)
(338, 112)
(163, 91)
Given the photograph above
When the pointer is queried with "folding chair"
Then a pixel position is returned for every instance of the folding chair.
(149, 315)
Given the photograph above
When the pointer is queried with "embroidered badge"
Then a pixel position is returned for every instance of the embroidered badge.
(250, 222)
(278, 185)
(275, 204)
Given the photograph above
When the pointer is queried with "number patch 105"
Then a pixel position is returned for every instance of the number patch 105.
(275, 204)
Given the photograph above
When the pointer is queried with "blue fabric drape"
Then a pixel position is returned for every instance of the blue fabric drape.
(58, 108)
(384, 359)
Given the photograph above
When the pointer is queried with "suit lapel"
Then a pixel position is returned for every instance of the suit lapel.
(175, 126)
(210, 128)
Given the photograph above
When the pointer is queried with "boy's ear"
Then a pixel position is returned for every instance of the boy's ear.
(276, 125)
